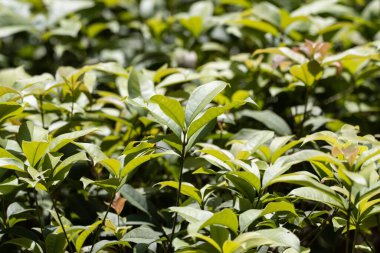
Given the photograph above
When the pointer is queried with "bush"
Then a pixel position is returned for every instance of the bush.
(234, 128)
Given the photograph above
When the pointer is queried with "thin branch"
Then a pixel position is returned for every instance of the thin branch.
(182, 161)
(97, 232)
(62, 226)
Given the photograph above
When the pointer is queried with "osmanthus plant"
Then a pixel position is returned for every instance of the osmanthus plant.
(188, 124)
(38, 163)
(311, 66)
(349, 185)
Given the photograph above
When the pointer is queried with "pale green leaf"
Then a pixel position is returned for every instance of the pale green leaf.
(137, 161)
(308, 72)
(186, 189)
(277, 237)
(258, 25)
(193, 24)
(171, 107)
(209, 115)
(314, 194)
(270, 120)
(34, 151)
(200, 98)
(83, 236)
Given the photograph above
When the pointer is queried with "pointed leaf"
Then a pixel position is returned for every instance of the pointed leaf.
(209, 115)
(171, 107)
(140, 160)
(200, 97)
(186, 189)
(34, 151)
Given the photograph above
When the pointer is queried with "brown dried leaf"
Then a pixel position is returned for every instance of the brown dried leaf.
(118, 203)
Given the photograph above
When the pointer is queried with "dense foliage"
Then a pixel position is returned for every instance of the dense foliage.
(189, 126)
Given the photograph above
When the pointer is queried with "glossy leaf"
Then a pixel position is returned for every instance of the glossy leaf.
(171, 107)
(200, 97)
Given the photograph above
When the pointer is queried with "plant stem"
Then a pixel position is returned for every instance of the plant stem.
(304, 116)
(38, 212)
(355, 238)
(366, 241)
(42, 110)
(182, 161)
(63, 228)
(97, 232)
(72, 107)
(348, 222)
(321, 228)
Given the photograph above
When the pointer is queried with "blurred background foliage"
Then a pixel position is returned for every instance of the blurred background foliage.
(213, 38)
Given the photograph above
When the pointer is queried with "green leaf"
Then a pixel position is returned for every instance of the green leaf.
(209, 115)
(9, 110)
(109, 184)
(279, 207)
(320, 7)
(10, 30)
(308, 72)
(230, 246)
(30, 132)
(219, 234)
(249, 177)
(258, 25)
(200, 98)
(163, 72)
(363, 52)
(83, 236)
(7, 90)
(285, 162)
(66, 164)
(29, 244)
(270, 120)
(193, 24)
(226, 218)
(137, 161)
(201, 133)
(186, 189)
(278, 151)
(139, 86)
(327, 136)
(253, 139)
(305, 180)
(163, 119)
(208, 240)
(278, 237)
(314, 194)
(249, 216)
(142, 235)
(244, 187)
(218, 153)
(12, 164)
(191, 214)
(34, 151)
(103, 244)
(171, 107)
(112, 165)
(60, 141)
(55, 243)
(9, 185)
(92, 150)
(284, 51)
(136, 199)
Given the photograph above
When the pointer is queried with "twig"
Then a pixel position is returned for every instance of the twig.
(182, 161)
(63, 228)
(103, 221)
